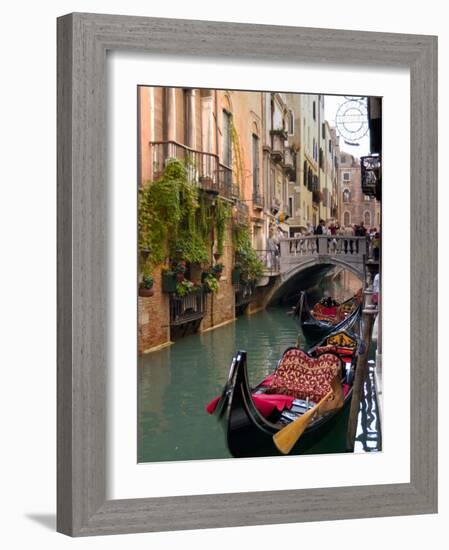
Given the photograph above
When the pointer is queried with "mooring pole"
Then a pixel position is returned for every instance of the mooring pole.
(368, 315)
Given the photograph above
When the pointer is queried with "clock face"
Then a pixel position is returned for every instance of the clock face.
(352, 119)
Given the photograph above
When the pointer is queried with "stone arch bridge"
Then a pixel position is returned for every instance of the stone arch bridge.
(303, 253)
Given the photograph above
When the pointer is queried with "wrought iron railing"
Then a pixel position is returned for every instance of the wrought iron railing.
(188, 308)
(203, 169)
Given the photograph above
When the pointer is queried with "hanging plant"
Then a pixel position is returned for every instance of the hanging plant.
(217, 270)
(184, 288)
(211, 283)
(146, 286)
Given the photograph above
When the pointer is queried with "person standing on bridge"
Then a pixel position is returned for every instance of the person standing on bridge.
(320, 230)
(339, 234)
(360, 231)
(348, 233)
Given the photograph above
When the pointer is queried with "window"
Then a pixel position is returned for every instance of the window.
(314, 110)
(291, 122)
(346, 176)
(347, 219)
(343, 158)
(305, 173)
(227, 143)
(367, 219)
(290, 206)
(346, 195)
(255, 165)
(227, 147)
(366, 198)
(330, 146)
(323, 130)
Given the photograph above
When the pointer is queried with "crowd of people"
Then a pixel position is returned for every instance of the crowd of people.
(334, 229)
(331, 229)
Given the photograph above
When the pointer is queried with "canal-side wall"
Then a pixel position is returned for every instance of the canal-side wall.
(154, 317)
(221, 306)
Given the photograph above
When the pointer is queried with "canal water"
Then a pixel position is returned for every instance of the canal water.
(177, 382)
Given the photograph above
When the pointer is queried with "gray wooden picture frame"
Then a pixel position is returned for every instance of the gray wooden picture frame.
(83, 40)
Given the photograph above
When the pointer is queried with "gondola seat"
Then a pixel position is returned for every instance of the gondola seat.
(305, 377)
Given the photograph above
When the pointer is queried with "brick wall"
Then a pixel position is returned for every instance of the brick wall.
(154, 318)
(221, 306)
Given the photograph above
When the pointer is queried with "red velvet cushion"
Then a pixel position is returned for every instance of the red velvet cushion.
(305, 377)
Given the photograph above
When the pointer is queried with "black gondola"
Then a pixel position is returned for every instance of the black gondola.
(315, 328)
(249, 434)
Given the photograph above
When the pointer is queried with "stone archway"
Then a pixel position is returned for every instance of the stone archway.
(313, 264)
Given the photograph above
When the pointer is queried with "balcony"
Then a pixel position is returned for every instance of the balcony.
(203, 169)
(240, 213)
(278, 139)
(371, 176)
(187, 309)
(289, 164)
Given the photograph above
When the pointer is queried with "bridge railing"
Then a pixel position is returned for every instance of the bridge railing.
(293, 250)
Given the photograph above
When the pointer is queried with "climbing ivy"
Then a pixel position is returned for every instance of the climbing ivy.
(245, 255)
(177, 220)
(237, 154)
(222, 215)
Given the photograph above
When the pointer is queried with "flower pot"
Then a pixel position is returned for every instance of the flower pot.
(168, 282)
(179, 277)
(146, 292)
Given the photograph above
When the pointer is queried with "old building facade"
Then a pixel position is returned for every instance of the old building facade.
(355, 207)
(271, 157)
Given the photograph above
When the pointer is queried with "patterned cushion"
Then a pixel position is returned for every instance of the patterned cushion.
(305, 377)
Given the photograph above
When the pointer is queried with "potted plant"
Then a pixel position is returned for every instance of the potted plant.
(168, 281)
(184, 288)
(146, 286)
(180, 269)
(217, 270)
(210, 284)
(280, 132)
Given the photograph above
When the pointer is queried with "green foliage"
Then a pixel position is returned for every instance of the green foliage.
(183, 288)
(167, 207)
(176, 220)
(147, 281)
(245, 255)
(222, 215)
(190, 246)
(211, 283)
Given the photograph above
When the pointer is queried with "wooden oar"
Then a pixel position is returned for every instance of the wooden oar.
(286, 438)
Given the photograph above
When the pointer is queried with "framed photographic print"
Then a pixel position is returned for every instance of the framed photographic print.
(231, 261)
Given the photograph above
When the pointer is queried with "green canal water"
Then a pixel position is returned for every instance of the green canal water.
(177, 382)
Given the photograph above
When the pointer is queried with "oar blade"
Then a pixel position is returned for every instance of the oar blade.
(286, 438)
